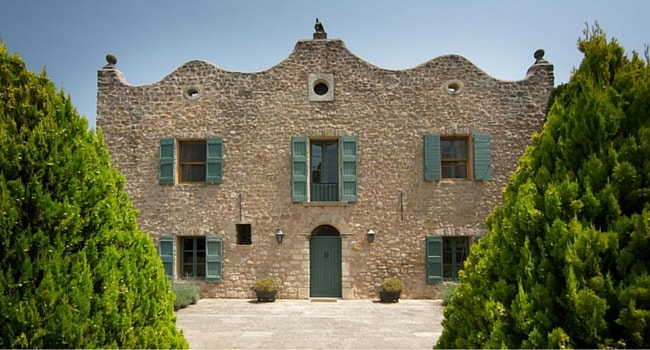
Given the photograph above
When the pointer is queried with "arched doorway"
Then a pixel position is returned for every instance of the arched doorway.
(325, 262)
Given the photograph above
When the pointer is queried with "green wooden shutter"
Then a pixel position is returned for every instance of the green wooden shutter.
(214, 160)
(482, 157)
(213, 259)
(432, 157)
(434, 259)
(166, 253)
(166, 161)
(299, 169)
(349, 169)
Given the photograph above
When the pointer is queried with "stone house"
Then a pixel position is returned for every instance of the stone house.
(323, 171)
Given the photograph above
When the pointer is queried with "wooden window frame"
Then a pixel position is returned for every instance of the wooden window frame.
(182, 163)
(467, 160)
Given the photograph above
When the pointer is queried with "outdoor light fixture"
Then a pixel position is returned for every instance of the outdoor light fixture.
(279, 234)
(371, 235)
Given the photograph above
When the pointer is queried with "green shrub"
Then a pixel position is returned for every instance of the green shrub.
(77, 272)
(186, 294)
(565, 263)
(266, 284)
(392, 284)
(447, 292)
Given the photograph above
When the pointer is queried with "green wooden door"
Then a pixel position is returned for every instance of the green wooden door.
(325, 266)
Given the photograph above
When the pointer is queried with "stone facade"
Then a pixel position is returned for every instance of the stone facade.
(257, 114)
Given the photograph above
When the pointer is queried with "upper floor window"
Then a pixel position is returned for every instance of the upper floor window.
(324, 163)
(198, 161)
(324, 170)
(449, 157)
(453, 157)
(191, 163)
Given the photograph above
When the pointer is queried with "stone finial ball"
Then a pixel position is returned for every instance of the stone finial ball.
(539, 54)
(111, 59)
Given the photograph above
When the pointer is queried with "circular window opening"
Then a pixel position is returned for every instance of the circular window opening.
(192, 93)
(453, 87)
(321, 89)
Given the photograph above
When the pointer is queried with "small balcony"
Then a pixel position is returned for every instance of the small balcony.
(325, 192)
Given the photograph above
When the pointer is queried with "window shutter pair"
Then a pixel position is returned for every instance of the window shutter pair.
(213, 160)
(299, 168)
(213, 257)
(482, 157)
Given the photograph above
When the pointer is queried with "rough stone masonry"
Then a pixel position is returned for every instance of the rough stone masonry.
(324, 92)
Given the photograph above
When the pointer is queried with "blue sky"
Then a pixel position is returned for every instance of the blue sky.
(70, 38)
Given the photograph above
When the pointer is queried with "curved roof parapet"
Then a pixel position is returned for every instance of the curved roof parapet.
(323, 54)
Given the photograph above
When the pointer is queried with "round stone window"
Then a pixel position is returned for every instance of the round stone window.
(192, 93)
(453, 87)
(321, 88)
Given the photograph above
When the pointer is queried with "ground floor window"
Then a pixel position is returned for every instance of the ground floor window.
(186, 257)
(445, 257)
(454, 253)
(193, 257)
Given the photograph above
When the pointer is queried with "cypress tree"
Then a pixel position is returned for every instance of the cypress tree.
(566, 261)
(76, 272)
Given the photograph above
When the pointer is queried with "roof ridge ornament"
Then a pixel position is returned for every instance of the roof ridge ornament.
(539, 57)
(112, 61)
(319, 30)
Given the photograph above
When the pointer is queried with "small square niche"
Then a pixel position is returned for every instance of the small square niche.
(321, 87)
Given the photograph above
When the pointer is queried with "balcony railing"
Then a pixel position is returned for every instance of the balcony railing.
(325, 192)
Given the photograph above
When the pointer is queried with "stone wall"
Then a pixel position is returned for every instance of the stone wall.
(257, 113)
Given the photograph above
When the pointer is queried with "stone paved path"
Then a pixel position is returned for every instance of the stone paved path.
(305, 324)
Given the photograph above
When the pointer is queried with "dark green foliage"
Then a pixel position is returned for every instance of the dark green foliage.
(567, 259)
(185, 294)
(76, 270)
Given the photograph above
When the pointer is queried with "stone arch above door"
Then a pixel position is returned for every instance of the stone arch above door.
(325, 230)
(336, 221)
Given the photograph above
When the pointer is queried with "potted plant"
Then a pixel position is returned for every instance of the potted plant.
(390, 289)
(266, 289)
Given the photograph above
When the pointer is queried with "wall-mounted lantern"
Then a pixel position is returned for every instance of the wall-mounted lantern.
(279, 234)
(371, 235)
